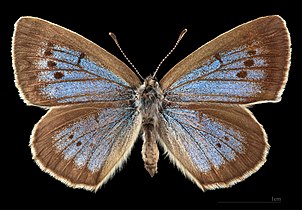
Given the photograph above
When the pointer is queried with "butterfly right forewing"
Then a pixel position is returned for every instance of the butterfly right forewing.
(55, 66)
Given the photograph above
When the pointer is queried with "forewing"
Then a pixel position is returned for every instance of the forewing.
(214, 145)
(248, 64)
(55, 66)
(82, 146)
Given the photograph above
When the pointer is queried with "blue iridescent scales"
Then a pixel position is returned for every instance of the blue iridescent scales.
(208, 141)
(198, 111)
(67, 77)
(89, 140)
(74, 82)
(230, 76)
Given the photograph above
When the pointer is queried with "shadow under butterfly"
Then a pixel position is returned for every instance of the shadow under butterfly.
(197, 112)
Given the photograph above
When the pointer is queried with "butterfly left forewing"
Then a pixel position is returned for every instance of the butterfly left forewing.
(55, 66)
(83, 145)
(215, 145)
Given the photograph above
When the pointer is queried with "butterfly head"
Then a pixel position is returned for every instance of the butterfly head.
(150, 88)
(151, 82)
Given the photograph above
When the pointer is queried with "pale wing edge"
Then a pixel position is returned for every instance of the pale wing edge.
(16, 80)
(110, 174)
(286, 69)
(136, 81)
(188, 175)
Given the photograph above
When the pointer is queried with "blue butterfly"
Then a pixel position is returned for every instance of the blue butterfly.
(197, 112)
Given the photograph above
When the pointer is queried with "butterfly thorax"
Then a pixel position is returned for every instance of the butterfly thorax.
(149, 99)
(149, 103)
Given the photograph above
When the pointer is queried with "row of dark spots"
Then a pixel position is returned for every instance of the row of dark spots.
(250, 62)
(59, 75)
(225, 138)
(52, 64)
(241, 74)
(48, 51)
(247, 63)
(79, 143)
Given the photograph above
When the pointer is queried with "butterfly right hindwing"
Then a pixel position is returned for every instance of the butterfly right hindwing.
(214, 145)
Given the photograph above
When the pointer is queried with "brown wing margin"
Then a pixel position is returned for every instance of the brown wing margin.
(31, 33)
(187, 132)
(270, 31)
(109, 145)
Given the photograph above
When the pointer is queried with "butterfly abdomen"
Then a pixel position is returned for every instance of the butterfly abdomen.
(149, 98)
(150, 151)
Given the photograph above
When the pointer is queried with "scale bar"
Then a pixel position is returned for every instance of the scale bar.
(249, 202)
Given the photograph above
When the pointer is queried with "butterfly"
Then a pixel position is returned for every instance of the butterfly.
(198, 112)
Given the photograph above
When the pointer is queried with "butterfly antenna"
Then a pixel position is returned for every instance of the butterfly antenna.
(118, 45)
(181, 35)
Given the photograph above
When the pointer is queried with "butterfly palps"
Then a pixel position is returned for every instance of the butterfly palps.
(197, 112)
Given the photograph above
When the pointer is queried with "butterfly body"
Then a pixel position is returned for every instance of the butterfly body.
(198, 112)
(150, 97)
